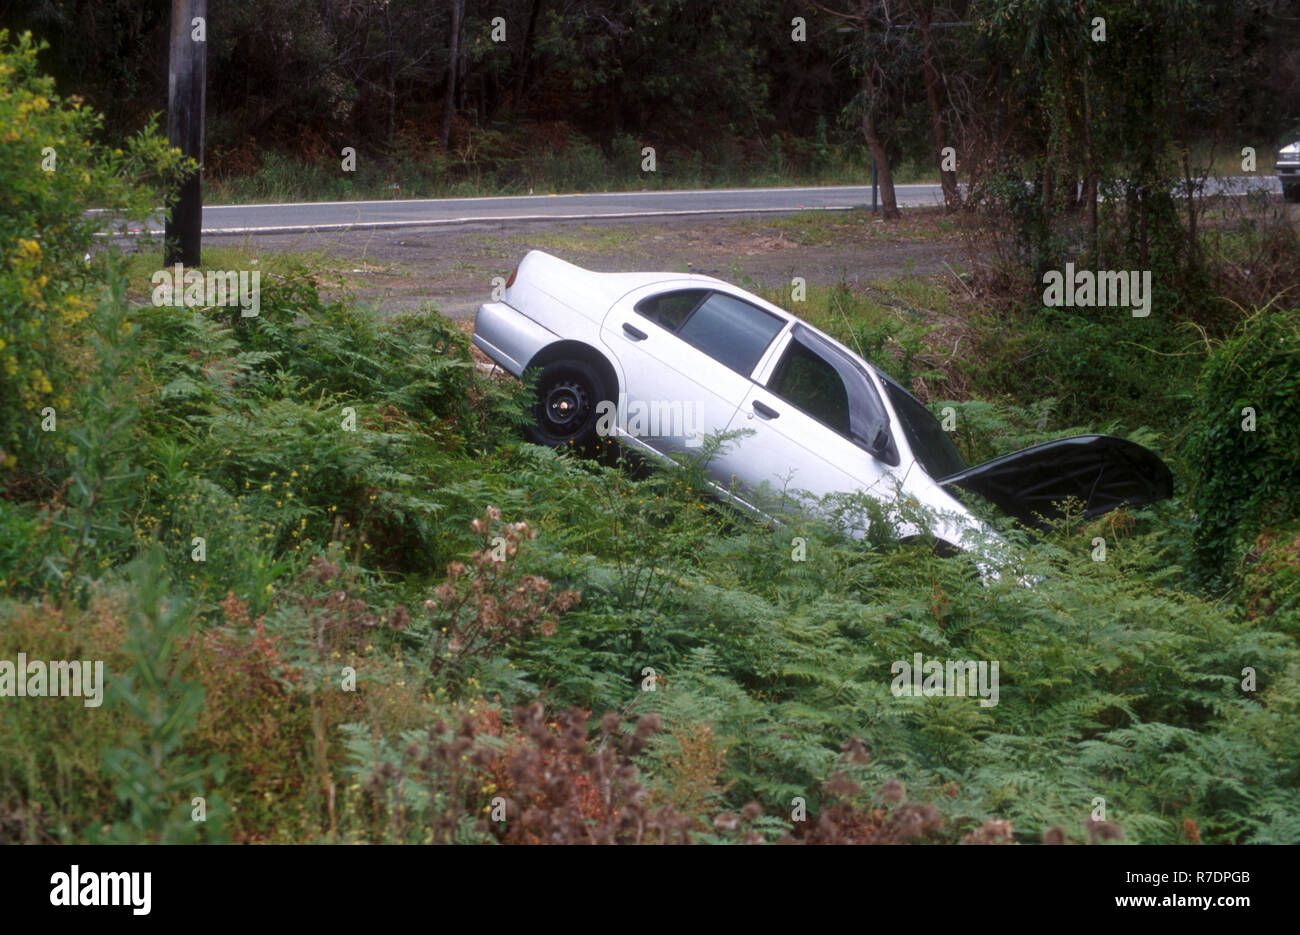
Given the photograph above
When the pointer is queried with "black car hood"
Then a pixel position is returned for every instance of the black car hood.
(1100, 471)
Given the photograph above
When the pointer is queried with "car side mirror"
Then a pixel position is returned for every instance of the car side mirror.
(878, 445)
(881, 445)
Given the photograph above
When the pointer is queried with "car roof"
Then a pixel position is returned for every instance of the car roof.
(612, 287)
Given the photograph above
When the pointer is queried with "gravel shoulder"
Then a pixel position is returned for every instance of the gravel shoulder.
(453, 267)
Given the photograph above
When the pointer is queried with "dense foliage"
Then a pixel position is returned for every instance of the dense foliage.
(373, 550)
(339, 600)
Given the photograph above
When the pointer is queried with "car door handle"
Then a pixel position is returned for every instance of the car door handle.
(764, 410)
(636, 334)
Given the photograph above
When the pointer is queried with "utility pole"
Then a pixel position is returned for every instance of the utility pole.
(186, 83)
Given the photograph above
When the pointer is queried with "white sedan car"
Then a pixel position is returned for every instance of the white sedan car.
(659, 361)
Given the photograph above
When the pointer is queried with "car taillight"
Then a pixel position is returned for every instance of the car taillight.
(511, 281)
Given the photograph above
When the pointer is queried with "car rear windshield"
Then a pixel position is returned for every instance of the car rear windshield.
(937, 455)
(730, 330)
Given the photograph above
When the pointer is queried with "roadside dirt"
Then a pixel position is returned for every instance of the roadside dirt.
(453, 267)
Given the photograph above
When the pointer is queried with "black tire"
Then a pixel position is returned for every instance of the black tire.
(564, 414)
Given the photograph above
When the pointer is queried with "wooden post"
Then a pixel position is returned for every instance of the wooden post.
(186, 83)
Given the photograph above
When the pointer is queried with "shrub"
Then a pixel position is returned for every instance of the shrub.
(49, 170)
(1243, 436)
(487, 608)
(156, 780)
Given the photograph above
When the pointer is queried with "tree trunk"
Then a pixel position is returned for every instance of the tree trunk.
(888, 200)
(525, 59)
(1091, 193)
(948, 179)
(1190, 184)
(449, 101)
(1090, 172)
(391, 129)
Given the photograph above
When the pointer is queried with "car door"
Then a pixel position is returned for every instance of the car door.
(687, 353)
(818, 425)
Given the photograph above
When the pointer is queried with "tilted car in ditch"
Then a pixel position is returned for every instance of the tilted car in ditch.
(661, 360)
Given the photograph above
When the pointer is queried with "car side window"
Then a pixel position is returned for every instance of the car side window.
(670, 309)
(807, 381)
(824, 382)
(731, 331)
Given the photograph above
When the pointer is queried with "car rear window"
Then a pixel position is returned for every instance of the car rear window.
(670, 309)
(731, 331)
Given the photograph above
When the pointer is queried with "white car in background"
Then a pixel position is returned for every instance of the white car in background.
(693, 356)
(1287, 168)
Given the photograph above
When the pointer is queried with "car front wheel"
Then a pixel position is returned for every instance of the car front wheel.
(564, 414)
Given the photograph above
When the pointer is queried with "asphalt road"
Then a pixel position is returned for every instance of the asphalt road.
(431, 212)
(426, 212)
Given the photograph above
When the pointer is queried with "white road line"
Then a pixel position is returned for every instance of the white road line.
(675, 191)
(434, 201)
(441, 222)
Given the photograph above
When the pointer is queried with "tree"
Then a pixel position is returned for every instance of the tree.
(924, 12)
(875, 61)
(453, 63)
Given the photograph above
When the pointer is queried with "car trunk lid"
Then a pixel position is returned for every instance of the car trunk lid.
(1102, 472)
(589, 293)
